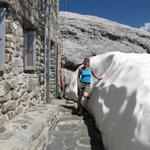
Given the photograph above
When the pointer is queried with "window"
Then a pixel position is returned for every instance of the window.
(43, 4)
(30, 50)
(2, 38)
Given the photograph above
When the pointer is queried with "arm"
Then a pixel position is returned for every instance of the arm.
(94, 75)
(61, 80)
(78, 77)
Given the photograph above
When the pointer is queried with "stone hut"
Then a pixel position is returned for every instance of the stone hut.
(29, 52)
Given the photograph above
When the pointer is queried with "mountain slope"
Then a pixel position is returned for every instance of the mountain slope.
(85, 36)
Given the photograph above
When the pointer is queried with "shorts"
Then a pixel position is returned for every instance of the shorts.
(84, 88)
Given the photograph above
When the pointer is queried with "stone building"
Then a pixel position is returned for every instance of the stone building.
(29, 51)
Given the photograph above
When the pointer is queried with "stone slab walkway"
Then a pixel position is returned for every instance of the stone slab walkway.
(74, 132)
(31, 129)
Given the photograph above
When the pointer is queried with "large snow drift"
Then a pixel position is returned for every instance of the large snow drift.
(120, 103)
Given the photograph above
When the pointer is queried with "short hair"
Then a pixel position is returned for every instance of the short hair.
(62, 56)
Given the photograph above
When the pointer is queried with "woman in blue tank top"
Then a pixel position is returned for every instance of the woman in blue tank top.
(83, 80)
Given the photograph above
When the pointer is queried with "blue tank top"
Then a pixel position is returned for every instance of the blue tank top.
(86, 75)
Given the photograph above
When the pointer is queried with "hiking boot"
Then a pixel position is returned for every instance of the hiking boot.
(75, 111)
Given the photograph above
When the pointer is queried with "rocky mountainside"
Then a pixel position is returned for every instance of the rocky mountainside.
(85, 36)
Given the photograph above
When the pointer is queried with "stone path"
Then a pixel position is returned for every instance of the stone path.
(74, 132)
(31, 129)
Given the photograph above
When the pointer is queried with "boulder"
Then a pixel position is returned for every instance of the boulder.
(86, 36)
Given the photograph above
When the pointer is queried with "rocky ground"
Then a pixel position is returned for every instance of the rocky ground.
(74, 132)
(29, 130)
(51, 127)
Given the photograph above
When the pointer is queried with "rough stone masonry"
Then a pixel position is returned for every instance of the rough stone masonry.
(22, 55)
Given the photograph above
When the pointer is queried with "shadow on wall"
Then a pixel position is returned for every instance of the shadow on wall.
(95, 134)
(113, 112)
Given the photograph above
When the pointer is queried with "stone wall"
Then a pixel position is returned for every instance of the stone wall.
(56, 48)
(20, 89)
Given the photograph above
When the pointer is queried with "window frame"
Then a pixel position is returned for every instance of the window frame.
(2, 37)
(26, 51)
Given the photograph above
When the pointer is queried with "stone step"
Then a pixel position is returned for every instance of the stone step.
(74, 132)
(30, 130)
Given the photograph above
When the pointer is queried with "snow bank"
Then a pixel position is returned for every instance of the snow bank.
(120, 103)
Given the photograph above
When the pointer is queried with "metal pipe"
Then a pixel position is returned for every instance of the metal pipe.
(56, 77)
(47, 47)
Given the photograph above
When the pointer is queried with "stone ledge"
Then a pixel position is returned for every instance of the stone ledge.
(29, 130)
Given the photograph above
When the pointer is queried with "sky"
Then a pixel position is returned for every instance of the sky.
(135, 13)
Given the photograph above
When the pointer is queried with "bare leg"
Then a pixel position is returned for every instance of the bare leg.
(62, 86)
(65, 86)
(79, 102)
(79, 107)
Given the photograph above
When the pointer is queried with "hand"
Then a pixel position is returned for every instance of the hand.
(80, 84)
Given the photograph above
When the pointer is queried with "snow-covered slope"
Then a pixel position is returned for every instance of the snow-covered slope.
(120, 103)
